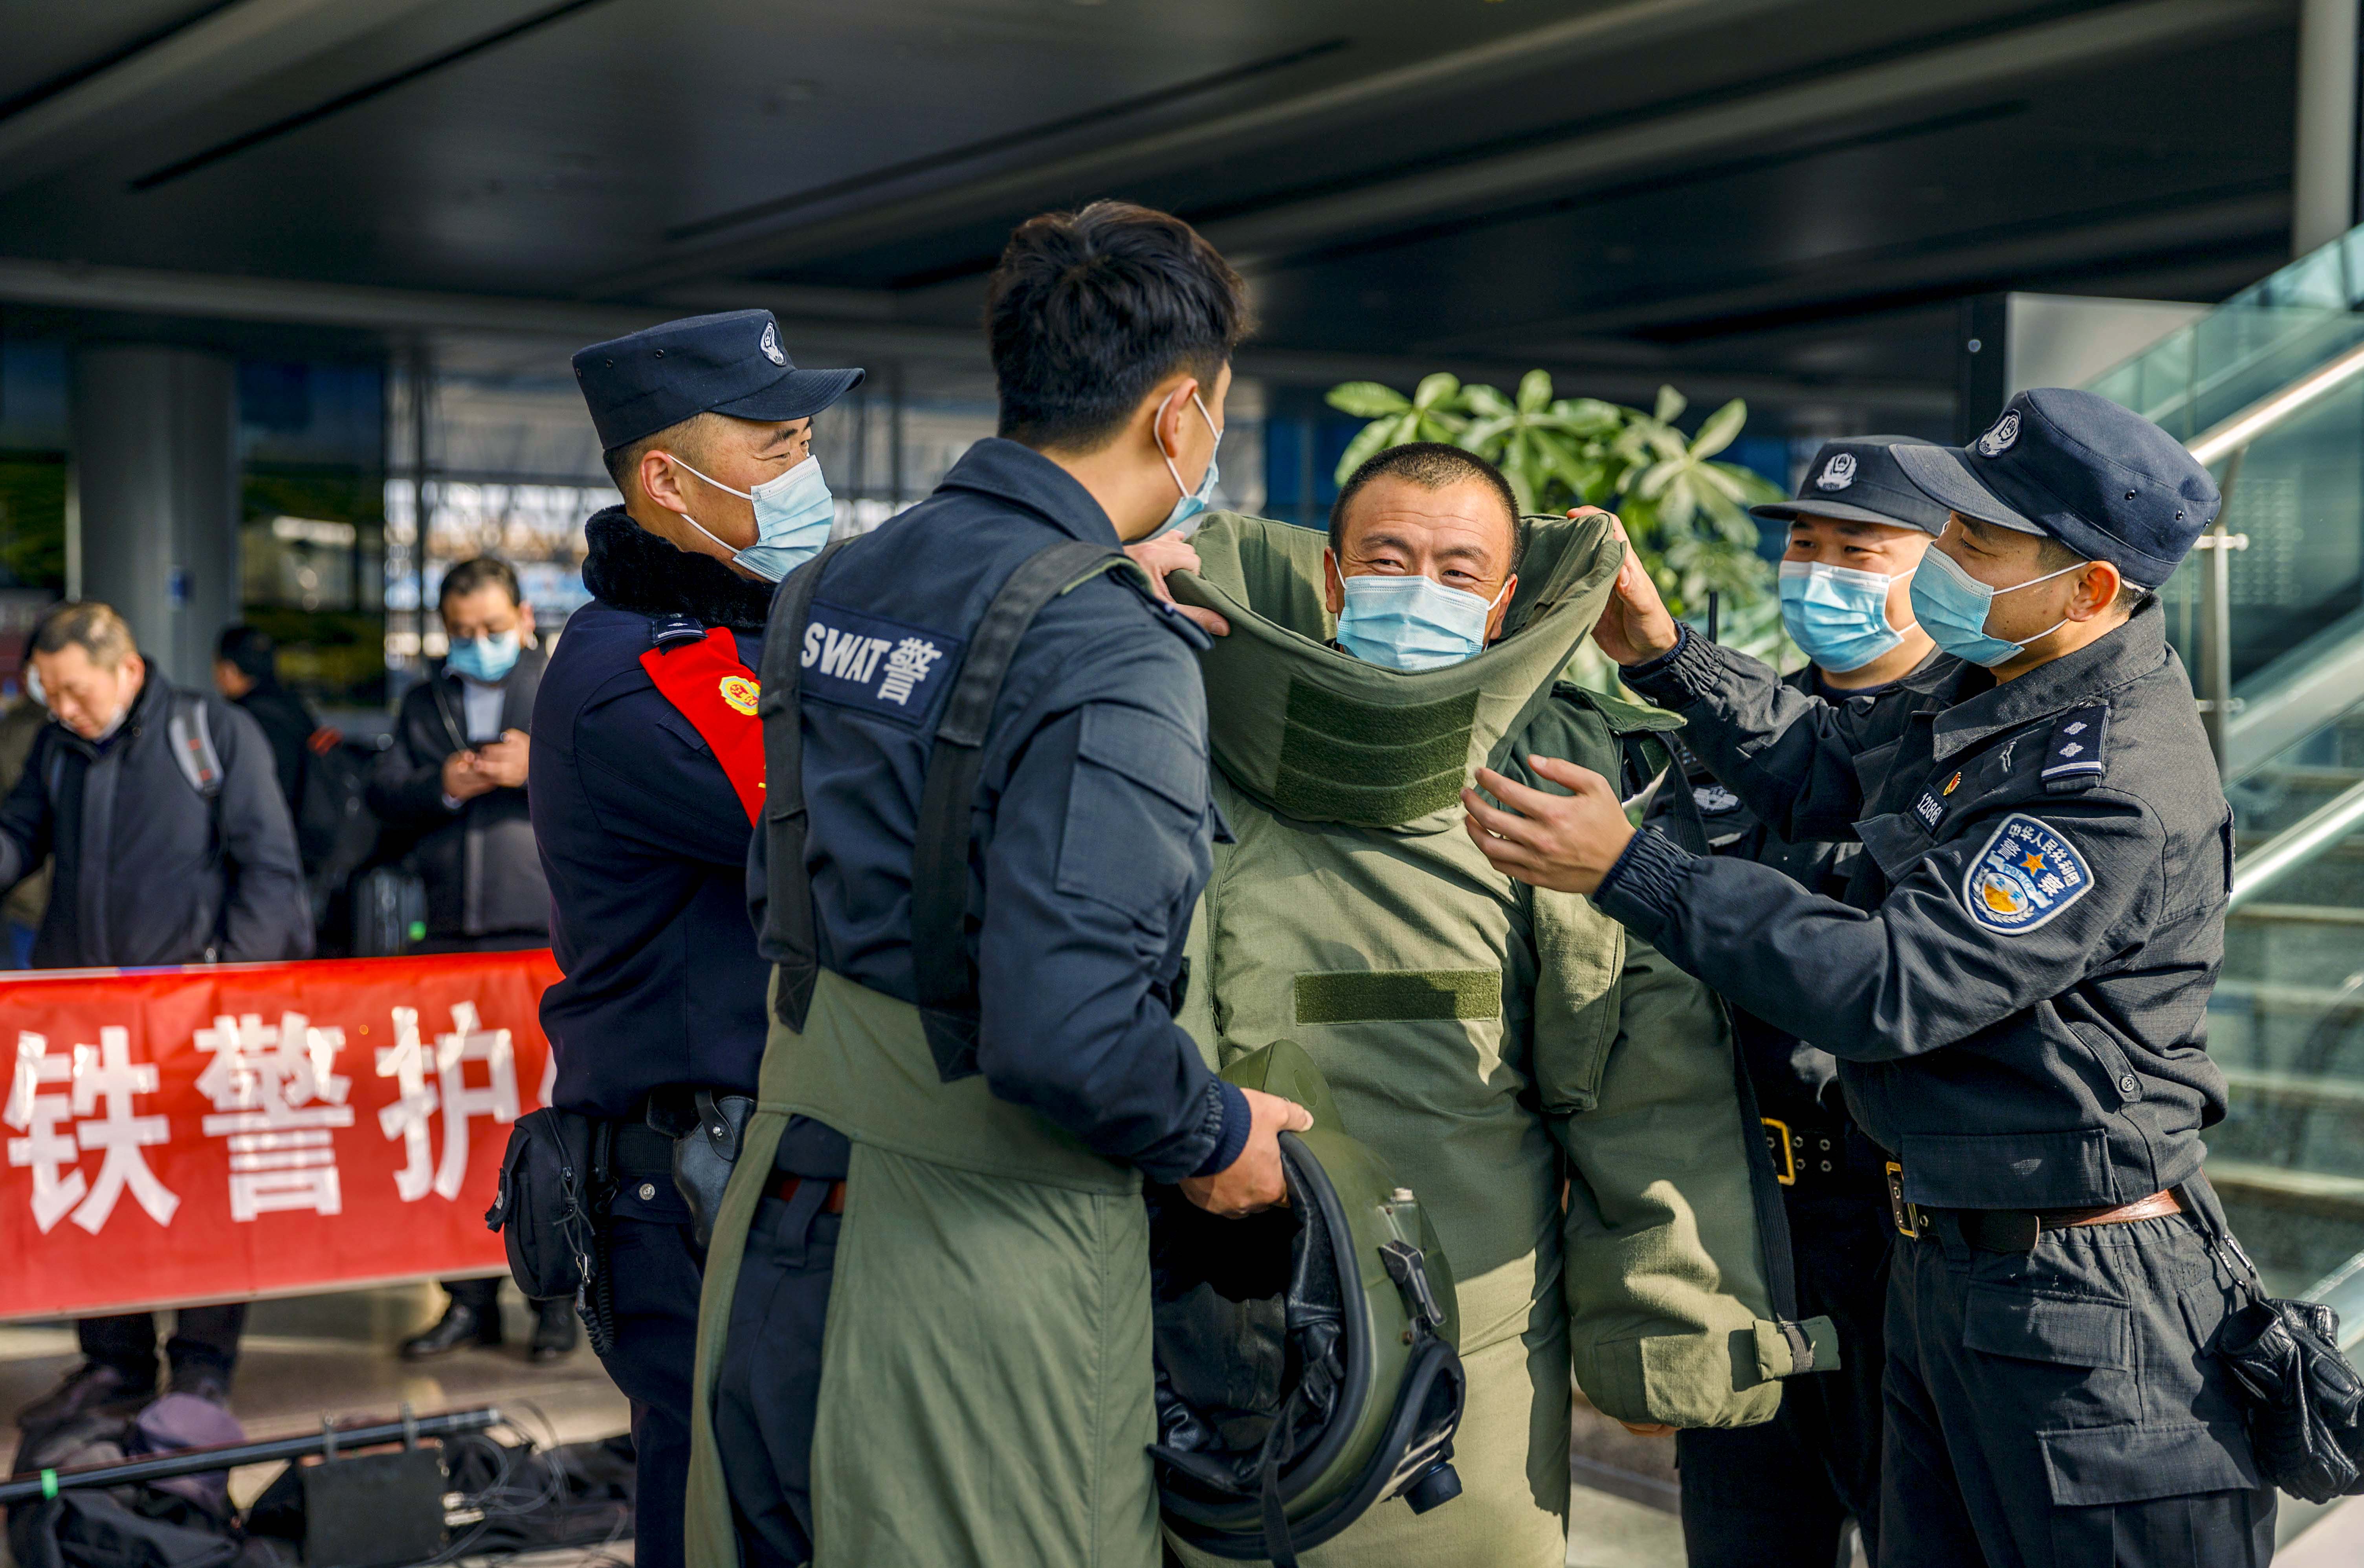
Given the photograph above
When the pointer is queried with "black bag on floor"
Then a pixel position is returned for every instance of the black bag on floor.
(184, 1522)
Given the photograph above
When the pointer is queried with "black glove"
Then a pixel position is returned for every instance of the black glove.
(2304, 1396)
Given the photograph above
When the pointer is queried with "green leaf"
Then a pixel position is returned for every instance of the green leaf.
(1484, 401)
(1721, 482)
(1367, 399)
(1671, 405)
(1369, 442)
(1489, 437)
(1434, 391)
(1716, 431)
(1535, 391)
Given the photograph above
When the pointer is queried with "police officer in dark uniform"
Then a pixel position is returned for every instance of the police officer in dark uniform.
(2016, 984)
(1779, 1495)
(647, 776)
(984, 1031)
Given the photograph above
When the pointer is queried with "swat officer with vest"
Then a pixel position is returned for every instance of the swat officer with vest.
(2015, 985)
(1779, 1495)
(989, 816)
(647, 779)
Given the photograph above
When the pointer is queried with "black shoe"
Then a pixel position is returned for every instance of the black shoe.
(459, 1326)
(553, 1329)
(203, 1379)
(92, 1388)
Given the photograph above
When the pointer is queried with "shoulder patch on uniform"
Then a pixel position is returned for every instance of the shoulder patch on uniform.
(887, 667)
(671, 630)
(2074, 757)
(2026, 874)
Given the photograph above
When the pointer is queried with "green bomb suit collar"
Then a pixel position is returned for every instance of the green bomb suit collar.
(1354, 743)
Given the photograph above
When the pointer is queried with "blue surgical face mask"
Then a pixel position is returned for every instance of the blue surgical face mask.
(1953, 608)
(1193, 502)
(793, 514)
(1838, 615)
(1412, 623)
(484, 659)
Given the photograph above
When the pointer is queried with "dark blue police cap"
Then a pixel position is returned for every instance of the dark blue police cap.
(732, 363)
(2097, 476)
(1857, 480)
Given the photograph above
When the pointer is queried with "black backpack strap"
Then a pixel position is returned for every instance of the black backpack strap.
(788, 911)
(941, 969)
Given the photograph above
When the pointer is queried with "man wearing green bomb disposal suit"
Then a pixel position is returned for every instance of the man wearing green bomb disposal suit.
(1497, 1046)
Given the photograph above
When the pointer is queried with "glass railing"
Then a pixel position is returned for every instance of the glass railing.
(2286, 1023)
(2269, 390)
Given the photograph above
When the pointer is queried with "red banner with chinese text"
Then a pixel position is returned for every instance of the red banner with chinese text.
(222, 1132)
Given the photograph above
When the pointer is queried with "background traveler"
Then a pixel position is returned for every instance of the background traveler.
(165, 854)
(454, 781)
(246, 670)
(20, 910)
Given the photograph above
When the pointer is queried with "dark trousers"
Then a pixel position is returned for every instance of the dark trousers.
(128, 1342)
(767, 1393)
(2055, 1408)
(1779, 1495)
(484, 1295)
(656, 1275)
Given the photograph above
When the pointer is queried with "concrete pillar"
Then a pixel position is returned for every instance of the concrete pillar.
(156, 481)
(2323, 186)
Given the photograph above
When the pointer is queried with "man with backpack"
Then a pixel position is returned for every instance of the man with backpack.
(172, 843)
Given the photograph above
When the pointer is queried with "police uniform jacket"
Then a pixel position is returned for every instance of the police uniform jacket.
(1091, 817)
(642, 838)
(2016, 981)
(1796, 1082)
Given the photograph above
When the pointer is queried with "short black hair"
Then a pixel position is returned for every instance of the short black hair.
(2052, 555)
(1088, 310)
(623, 462)
(249, 650)
(471, 576)
(1432, 465)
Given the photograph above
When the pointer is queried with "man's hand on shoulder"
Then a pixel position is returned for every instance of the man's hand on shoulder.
(1172, 553)
(1635, 627)
(1254, 1180)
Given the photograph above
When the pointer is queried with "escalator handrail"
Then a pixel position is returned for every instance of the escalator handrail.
(2293, 846)
(2228, 436)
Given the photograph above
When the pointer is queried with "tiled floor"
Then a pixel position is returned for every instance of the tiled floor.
(334, 1355)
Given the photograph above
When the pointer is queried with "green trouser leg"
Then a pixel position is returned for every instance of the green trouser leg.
(985, 1378)
(712, 1541)
(988, 1393)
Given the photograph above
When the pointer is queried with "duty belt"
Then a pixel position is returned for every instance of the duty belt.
(2014, 1229)
(1806, 1155)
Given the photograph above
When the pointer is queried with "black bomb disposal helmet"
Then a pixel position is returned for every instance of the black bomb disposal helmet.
(1306, 1368)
